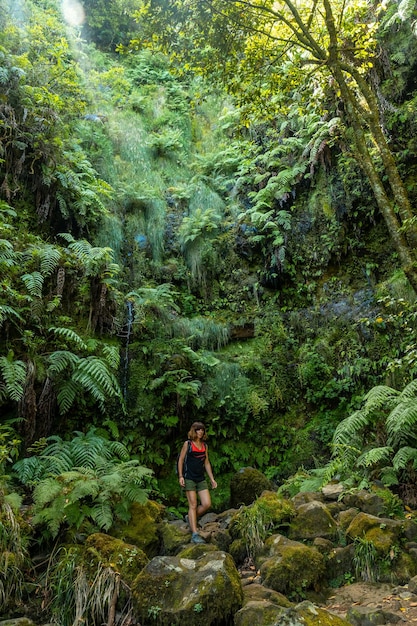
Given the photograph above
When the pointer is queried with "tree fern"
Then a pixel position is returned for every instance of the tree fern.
(97, 493)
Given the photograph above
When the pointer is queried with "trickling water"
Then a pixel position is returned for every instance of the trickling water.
(127, 331)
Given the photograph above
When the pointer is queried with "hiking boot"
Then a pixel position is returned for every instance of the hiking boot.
(195, 538)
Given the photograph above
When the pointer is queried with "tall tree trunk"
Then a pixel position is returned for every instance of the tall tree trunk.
(385, 204)
(397, 211)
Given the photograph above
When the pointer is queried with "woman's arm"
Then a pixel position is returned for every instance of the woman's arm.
(207, 467)
(183, 452)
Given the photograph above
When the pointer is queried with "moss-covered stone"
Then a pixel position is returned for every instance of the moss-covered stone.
(400, 570)
(307, 614)
(142, 529)
(127, 559)
(256, 592)
(177, 590)
(259, 612)
(340, 563)
(293, 566)
(312, 520)
(382, 532)
(365, 501)
(238, 550)
(247, 485)
(173, 537)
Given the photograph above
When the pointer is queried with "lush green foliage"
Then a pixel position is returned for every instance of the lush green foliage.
(87, 482)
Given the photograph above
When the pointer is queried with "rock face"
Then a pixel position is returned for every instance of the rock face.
(291, 566)
(205, 589)
(246, 485)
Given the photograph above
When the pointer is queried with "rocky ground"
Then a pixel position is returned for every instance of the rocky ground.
(397, 604)
(366, 603)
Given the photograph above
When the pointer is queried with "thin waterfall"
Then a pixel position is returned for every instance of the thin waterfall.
(125, 334)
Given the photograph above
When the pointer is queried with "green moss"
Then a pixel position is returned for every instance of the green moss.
(295, 569)
(142, 529)
(247, 485)
(124, 558)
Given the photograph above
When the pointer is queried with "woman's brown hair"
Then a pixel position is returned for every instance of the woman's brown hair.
(192, 433)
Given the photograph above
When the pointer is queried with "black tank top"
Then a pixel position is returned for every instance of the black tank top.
(194, 463)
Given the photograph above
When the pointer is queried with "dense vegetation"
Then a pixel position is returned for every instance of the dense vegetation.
(196, 225)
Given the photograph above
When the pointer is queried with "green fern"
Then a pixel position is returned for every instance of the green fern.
(14, 375)
(69, 335)
(7, 312)
(33, 283)
(375, 456)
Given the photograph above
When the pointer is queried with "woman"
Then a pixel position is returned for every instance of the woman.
(193, 462)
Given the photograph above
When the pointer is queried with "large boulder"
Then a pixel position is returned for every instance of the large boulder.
(365, 501)
(290, 567)
(195, 586)
(382, 532)
(142, 530)
(312, 520)
(247, 485)
(125, 558)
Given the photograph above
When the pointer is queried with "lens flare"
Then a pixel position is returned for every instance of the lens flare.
(73, 12)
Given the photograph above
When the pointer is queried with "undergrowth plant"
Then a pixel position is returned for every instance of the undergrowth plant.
(76, 593)
(365, 560)
(88, 482)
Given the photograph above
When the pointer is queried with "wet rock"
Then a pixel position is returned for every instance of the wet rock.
(181, 589)
(247, 485)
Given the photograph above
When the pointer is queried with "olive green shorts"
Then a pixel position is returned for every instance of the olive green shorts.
(191, 485)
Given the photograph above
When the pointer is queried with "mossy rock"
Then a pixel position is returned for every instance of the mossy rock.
(382, 532)
(400, 570)
(173, 537)
(238, 550)
(122, 557)
(367, 502)
(174, 590)
(259, 612)
(247, 485)
(312, 520)
(293, 567)
(256, 593)
(339, 563)
(308, 614)
(142, 528)
(270, 509)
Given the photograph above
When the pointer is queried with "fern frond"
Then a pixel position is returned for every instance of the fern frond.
(68, 392)
(379, 397)
(102, 514)
(374, 456)
(47, 491)
(33, 283)
(347, 430)
(112, 355)
(14, 376)
(410, 391)
(404, 456)
(69, 335)
(93, 375)
(7, 311)
(401, 423)
(60, 360)
(50, 257)
(29, 470)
